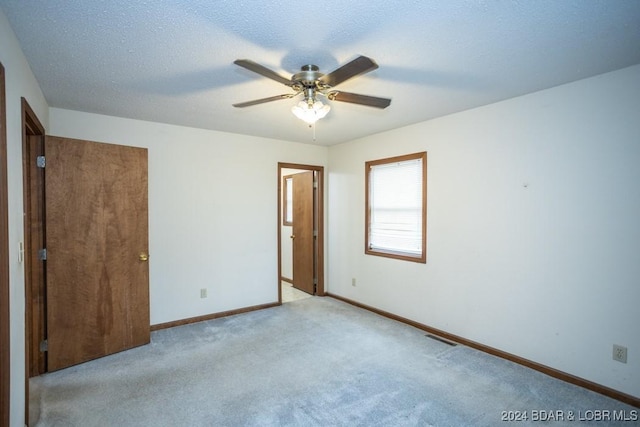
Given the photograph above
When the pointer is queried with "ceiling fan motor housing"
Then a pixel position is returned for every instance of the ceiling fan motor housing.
(307, 81)
(308, 75)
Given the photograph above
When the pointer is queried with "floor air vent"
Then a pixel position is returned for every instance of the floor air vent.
(442, 340)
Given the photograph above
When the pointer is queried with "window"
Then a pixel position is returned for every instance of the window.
(288, 200)
(396, 203)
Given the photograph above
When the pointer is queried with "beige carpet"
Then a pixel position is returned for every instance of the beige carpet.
(311, 362)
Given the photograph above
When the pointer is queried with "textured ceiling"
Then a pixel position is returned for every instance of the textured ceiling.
(171, 61)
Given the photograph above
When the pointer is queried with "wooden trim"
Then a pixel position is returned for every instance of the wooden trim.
(212, 316)
(34, 313)
(572, 379)
(319, 219)
(35, 240)
(5, 317)
(31, 123)
(320, 291)
(391, 254)
(286, 279)
(279, 243)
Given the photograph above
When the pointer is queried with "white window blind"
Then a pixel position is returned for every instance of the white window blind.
(395, 202)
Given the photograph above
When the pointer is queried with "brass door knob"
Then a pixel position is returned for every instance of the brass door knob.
(143, 256)
(293, 236)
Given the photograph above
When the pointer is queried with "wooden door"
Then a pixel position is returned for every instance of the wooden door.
(303, 240)
(97, 239)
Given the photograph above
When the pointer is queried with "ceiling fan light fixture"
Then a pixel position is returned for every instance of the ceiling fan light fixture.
(310, 83)
(310, 113)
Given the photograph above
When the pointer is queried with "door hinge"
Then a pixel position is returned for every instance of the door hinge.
(41, 162)
(315, 233)
(44, 346)
(42, 254)
(315, 280)
(315, 184)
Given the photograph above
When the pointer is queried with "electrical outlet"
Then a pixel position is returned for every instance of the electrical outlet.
(203, 293)
(353, 281)
(620, 353)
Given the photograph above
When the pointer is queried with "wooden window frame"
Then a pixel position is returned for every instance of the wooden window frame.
(422, 258)
(285, 204)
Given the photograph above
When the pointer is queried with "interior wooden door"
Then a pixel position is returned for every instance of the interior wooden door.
(97, 240)
(303, 241)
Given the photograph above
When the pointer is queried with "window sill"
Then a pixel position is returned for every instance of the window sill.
(422, 258)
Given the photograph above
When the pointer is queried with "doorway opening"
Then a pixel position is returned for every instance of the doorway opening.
(300, 231)
(105, 294)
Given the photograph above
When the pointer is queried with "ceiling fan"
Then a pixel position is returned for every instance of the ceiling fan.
(310, 82)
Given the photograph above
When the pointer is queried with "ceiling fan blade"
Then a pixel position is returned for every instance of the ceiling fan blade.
(263, 100)
(354, 98)
(262, 70)
(358, 66)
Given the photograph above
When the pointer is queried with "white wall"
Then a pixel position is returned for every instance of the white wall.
(20, 82)
(212, 210)
(548, 272)
(533, 242)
